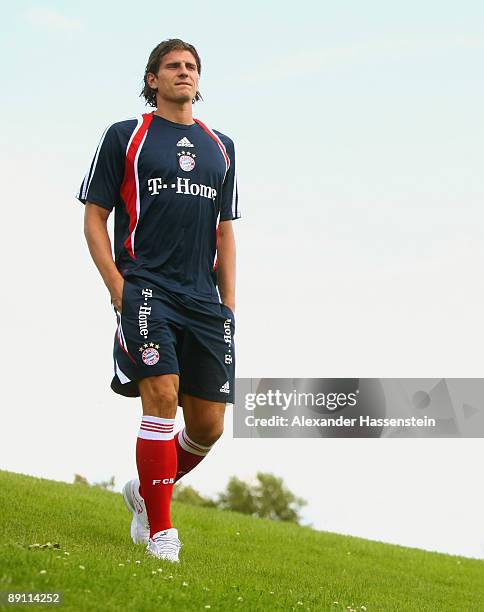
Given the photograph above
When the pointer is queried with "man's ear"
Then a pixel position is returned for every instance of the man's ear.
(149, 79)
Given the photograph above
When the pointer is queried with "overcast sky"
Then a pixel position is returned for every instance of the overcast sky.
(359, 133)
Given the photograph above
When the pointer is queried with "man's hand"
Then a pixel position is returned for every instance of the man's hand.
(226, 264)
(95, 230)
(231, 305)
(116, 292)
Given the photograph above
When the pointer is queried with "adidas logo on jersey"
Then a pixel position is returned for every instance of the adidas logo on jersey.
(225, 388)
(184, 142)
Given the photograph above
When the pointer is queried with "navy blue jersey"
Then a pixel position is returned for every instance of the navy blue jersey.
(170, 185)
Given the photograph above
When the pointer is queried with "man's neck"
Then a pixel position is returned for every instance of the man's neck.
(178, 113)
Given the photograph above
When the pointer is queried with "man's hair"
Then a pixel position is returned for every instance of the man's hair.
(154, 61)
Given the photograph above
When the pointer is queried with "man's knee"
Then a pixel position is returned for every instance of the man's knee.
(159, 395)
(206, 434)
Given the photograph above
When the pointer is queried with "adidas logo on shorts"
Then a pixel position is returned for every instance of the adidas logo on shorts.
(184, 142)
(225, 388)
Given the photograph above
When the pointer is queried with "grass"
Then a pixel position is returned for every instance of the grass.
(229, 561)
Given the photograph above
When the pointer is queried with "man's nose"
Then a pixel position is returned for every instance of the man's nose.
(183, 70)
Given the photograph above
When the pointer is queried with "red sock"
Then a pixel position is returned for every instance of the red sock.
(156, 459)
(189, 453)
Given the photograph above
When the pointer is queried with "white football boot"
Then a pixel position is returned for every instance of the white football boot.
(165, 545)
(140, 527)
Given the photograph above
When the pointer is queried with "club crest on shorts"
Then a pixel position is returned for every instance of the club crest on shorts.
(186, 160)
(149, 353)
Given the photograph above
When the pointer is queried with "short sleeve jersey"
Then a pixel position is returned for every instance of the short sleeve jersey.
(170, 185)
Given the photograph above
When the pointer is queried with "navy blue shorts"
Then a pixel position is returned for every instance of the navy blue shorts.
(161, 332)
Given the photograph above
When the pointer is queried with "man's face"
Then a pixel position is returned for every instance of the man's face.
(177, 78)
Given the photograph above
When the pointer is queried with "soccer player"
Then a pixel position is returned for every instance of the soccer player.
(172, 183)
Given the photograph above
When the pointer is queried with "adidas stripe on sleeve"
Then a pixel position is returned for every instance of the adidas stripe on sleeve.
(229, 207)
(103, 179)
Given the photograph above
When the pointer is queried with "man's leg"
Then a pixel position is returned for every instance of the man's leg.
(156, 454)
(204, 424)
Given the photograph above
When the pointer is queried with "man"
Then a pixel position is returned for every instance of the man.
(172, 183)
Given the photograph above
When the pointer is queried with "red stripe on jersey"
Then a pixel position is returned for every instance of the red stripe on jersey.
(217, 140)
(130, 188)
(217, 236)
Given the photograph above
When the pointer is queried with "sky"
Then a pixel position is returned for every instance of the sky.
(359, 137)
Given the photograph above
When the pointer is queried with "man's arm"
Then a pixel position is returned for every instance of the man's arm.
(226, 256)
(97, 237)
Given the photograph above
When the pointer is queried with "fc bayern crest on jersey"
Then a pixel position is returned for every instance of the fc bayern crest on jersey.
(186, 160)
(150, 354)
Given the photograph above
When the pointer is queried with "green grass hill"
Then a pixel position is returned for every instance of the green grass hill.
(75, 539)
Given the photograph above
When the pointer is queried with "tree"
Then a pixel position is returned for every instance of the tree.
(107, 484)
(238, 497)
(188, 495)
(267, 498)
